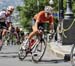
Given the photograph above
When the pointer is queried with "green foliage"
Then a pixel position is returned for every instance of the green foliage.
(30, 8)
(73, 4)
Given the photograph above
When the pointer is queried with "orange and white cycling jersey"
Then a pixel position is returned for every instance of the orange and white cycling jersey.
(42, 19)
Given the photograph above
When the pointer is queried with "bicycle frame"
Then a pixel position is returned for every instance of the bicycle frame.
(39, 38)
(37, 46)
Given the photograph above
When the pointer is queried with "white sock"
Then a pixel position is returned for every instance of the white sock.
(26, 42)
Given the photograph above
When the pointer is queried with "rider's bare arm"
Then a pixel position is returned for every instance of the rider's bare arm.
(52, 25)
(36, 24)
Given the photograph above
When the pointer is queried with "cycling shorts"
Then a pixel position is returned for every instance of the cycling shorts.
(22, 33)
(39, 25)
(2, 25)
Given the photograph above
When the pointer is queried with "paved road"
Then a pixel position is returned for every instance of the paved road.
(9, 57)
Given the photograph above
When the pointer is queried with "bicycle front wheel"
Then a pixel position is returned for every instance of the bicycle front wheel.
(39, 51)
(22, 54)
(72, 55)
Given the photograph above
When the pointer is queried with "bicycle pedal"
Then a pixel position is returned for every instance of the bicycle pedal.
(29, 52)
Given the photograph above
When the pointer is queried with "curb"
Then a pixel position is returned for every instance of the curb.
(59, 50)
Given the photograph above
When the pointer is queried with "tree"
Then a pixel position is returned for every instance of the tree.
(30, 8)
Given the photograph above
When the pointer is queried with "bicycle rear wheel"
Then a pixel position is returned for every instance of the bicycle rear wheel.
(39, 51)
(72, 55)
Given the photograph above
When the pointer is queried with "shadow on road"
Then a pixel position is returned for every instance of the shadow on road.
(15, 55)
(48, 61)
(53, 61)
(8, 55)
(11, 56)
(30, 60)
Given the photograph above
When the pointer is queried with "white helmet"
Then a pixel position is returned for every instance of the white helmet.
(48, 9)
(10, 8)
(21, 29)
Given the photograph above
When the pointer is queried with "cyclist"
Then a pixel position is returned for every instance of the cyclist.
(4, 14)
(39, 19)
(17, 29)
(22, 33)
(11, 29)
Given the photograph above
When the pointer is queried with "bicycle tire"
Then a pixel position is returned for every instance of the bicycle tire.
(0, 48)
(20, 54)
(39, 59)
(72, 54)
(1, 44)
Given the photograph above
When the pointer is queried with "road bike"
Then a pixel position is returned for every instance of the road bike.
(37, 47)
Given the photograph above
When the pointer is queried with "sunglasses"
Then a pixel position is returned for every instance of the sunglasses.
(48, 14)
(10, 11)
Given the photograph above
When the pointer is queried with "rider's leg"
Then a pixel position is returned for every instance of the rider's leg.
(35, 31)
(4, 32)
(17, 37)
